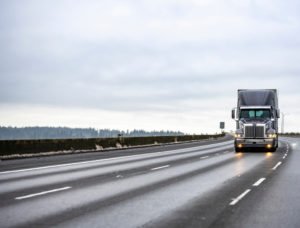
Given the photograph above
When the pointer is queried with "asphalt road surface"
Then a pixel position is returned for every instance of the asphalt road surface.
(199, 184)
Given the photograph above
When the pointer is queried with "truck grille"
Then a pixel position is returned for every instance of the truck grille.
(260, 131)
(254, 131)
(249, 131)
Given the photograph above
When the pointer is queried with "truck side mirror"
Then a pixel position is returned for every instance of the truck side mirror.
(278, 113)
(233, 113)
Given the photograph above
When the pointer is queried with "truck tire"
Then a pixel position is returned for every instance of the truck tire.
(238, 150)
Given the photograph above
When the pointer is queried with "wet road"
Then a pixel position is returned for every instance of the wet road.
(186, 185)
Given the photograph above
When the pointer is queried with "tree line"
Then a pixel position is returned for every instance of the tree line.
(11, 133)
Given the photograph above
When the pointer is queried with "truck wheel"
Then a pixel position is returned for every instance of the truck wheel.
(238, 150)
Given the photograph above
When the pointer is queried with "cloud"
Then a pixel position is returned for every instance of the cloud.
(168, 58)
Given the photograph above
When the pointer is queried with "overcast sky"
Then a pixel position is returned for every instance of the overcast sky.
(146, 64)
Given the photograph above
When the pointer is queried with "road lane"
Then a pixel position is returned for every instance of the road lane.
(213, 208)
(144, 190)
(81, 171)
(276, 203)
(88, 156)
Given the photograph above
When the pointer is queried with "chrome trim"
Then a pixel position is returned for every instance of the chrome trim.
(249, 131)
(255, 107)
(254, 130)
(260, 131)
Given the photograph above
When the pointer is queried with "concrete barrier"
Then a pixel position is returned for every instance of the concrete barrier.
(9, 147)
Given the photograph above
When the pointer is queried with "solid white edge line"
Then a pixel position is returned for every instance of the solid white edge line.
(257, 183)
(42, 193)
(276, 166)
(161, 167)
(235, 201)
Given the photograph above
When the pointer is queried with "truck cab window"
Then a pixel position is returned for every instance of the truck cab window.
(252, 113)
(260, 114)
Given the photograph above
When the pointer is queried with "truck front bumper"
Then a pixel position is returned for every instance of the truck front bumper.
(255, 143)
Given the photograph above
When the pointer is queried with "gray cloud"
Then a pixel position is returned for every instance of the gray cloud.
(129, 56)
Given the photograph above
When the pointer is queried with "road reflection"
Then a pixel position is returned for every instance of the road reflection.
(239, 155)
(294, 145)
(240, 164)
(269, 154)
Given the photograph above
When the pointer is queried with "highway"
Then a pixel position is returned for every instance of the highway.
(198, 184)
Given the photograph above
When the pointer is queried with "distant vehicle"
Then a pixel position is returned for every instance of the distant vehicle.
(256, 117)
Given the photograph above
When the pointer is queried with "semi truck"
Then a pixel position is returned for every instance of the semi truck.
(256, 117)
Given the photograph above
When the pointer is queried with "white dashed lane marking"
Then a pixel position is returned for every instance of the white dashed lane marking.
(257, 183)
(277, 165)
(236, 200)
(161, 167)
(42, 193)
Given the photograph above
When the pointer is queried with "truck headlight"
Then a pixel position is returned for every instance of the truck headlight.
(272, 135)
(238, 135)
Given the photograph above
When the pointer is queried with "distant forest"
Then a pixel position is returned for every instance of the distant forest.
(10, 133)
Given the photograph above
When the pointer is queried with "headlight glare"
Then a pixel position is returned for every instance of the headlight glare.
(272, 135)
(238, 135)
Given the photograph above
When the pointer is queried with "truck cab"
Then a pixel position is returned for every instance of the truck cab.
(256, 119)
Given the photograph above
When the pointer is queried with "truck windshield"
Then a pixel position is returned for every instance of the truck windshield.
(255, 113)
